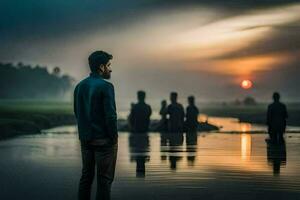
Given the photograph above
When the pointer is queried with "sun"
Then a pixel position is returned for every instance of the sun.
(246, 84)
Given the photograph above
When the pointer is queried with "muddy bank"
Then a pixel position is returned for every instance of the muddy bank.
(13, 125)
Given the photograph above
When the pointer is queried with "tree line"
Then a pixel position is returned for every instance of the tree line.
(19, 81)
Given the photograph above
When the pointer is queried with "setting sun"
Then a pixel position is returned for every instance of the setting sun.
(246, 84)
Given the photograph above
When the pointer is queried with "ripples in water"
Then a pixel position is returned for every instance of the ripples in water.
(157, 166)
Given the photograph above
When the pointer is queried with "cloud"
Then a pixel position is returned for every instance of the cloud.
(282, 39)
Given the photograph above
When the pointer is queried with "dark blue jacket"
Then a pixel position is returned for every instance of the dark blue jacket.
(95, 109)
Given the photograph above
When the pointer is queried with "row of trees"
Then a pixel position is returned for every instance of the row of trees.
(27, 82)
(247, 101)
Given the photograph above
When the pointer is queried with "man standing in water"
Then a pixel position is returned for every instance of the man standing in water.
(95, 111)
(176, 115)
(276, 119)
(140, 114)
(192, 113)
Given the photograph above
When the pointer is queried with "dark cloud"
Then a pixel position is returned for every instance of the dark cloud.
(44, 18)
(55, 17)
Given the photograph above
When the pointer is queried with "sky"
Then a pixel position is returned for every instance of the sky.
(201, 48)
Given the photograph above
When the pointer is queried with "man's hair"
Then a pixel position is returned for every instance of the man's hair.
(174, 94)
(191, 99)
(276, 96)
(98, 58)
(141, 94)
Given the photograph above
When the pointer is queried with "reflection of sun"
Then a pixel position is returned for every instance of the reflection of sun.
(246, 84)
(245, 127)
(246, 145)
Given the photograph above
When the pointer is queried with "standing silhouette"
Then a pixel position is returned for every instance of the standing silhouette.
(276, 119)
(129, 118)
(192, 113)
(95, 112)
(163, 123)
(140, 114)
(176, 115)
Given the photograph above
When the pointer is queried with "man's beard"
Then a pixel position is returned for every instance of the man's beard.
(106, 75)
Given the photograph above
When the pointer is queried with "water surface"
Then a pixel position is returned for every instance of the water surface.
(156, 166)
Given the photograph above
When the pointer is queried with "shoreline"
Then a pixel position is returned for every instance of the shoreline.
(15, 127)
(35, 124)
(22, 117)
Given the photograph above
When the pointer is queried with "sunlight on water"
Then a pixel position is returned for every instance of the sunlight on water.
(170, 164)
(231, 124)
(246, 146)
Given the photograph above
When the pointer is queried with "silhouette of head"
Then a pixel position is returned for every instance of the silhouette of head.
(163, 103)
(191, 100)
(99, 62)
(276, 96)
(173, 97)
(141, 95)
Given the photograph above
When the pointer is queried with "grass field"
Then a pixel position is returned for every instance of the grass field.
(22, 117)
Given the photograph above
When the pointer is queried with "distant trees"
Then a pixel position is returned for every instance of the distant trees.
(247, 101)
(27, 82)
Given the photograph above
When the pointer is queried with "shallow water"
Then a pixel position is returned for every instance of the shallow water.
(156, 166)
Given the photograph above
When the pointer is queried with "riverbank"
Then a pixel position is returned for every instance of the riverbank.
(27, 117)
(31, 117)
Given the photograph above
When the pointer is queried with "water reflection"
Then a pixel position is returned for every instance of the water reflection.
(228, 124)
(246, 146)
(171, 143)
(191, 147)
(182, 148)
(245, 127)
(276, 155)
(173, 165)
(139, 148)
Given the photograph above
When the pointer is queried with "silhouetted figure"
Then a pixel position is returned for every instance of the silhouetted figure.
(129, 119)
(140, 114)
(191, 146)
(162, 126)
(139, 148)
(176, 115)
(95, 111)
(276, 119)
(276, 155)
(192, 113)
